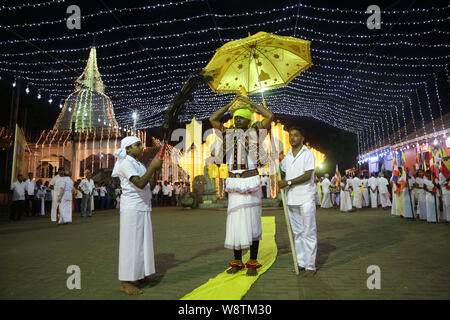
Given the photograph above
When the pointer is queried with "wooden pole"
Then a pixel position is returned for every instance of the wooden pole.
(288, 224)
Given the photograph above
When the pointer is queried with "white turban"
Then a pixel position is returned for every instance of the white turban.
(122, 152)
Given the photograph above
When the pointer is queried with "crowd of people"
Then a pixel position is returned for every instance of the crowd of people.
(413, 196)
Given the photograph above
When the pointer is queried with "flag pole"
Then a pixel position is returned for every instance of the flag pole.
(288, 223)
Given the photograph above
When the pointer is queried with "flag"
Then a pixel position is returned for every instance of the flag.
(395, 172)
(417, 159)
(403, 161)
(433, 165)
(338, 176)
(424, 164)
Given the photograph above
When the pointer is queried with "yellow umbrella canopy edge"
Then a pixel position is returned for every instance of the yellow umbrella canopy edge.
(220, 64)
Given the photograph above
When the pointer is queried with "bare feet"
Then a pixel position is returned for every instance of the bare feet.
(130, 288)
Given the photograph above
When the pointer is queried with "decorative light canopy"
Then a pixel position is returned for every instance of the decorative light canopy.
(381, 85)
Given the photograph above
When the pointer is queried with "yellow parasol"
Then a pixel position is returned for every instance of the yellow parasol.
(257, 63)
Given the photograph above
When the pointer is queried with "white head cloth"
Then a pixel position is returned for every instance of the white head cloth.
(122, 152)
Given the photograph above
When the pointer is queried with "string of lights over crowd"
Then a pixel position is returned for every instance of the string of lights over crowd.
(379, 84)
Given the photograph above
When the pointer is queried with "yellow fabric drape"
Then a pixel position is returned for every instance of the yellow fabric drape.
(234, 286)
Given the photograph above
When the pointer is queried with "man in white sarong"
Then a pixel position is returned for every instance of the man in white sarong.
(243, 185)
(383, 190)
(432, 198)
(419, 187)
(318, 191)
(346, 200)
(365, 194)
(408, 196)
(136, 255)
(65, 198)
(357, 193)
(326, 193)
(373, 186)
(299, 165)
(445, 189)
(55, 186)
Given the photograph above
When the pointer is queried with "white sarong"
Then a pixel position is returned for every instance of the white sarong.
(326, 201)
(65, 211)
(243, 224)
(136, 257)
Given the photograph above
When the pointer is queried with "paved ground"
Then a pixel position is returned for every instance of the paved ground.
(413, 257)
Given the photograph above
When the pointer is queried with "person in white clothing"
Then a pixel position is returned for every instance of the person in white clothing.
(445, 189)
(326, 193)
(357, 194)
(383, 190)
(136, 255)
(65, 198)
(419, 187)
(373, 188)
(432, 198)
(318, 192)
(365, 194)
(55, 186)
(87, 185)
(407, 195)
(243, 185)
(18, 198)
(299, 165)
(30, 208)
(346, 200)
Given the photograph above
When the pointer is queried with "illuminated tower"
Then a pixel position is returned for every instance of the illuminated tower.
(88, 107)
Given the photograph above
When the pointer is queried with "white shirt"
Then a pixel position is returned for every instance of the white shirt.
(356, 184)
(133, 198)
(87, 186)
(420, 181)
(102, 191)
(67, 184)
(30, 184)
(429, 187)
(55, 182)
(382, 185)
(326, 185)
(156, 189)
(165, 190)
(18, 189)
(372, 182)
(294, 167)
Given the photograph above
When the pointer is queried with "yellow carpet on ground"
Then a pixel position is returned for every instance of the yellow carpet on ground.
(234, 286)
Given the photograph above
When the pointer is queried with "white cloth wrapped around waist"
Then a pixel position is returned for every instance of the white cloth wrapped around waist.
(243, 185)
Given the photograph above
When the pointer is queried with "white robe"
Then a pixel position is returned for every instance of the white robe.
(346, 200)
(136, 255)
(326, 197)
(422, 201)
(372, 185)
(365, 194)
(408, 199)
(65, 206)
(383, 191)
(357, 194)
(432, 201)
(55, 182)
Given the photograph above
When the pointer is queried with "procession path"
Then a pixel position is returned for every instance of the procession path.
(413, 257)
